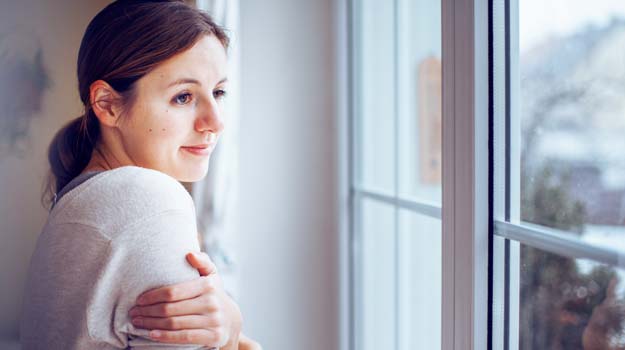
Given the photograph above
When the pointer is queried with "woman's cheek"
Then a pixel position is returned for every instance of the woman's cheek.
(163, 126)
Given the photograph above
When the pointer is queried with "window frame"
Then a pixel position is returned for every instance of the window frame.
(465, 213)
(473, 317)
(508, 230)
(465, 151)
(510, 226)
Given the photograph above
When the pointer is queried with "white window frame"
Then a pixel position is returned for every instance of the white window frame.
(465, 174)
(465, 212)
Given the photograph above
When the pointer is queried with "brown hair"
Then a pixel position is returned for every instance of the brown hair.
(123, 42)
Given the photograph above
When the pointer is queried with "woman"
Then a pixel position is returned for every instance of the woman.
(151, 75)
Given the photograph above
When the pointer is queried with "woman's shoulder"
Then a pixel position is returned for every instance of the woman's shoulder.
(141, 182)
(121, 196)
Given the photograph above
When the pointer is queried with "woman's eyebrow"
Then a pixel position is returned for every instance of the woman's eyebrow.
(184, 81)
(192, 81)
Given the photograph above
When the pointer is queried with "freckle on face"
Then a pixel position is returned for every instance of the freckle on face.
(150, 130)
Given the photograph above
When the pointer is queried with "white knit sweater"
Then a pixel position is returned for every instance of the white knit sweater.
(113, 237)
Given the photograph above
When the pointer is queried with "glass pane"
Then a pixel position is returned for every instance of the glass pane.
(376, 282)
(570, 304)
(375, 95)
(572, 110)
(420, 100)
(420, 281)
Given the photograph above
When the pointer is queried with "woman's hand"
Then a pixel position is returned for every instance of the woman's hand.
(193, 312)
(246, 343)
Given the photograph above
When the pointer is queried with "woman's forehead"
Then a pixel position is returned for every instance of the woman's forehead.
(205, 63)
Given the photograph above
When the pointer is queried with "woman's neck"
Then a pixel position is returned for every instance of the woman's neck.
(102, 159)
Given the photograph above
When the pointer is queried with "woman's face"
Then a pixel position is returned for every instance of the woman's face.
(177, 114)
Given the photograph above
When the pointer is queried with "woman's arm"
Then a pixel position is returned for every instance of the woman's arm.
(197, 290)
(218, 318)
(142, 255)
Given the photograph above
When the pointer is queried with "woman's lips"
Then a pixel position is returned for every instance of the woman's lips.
(203, 150)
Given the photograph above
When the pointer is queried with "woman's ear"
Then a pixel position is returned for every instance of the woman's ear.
(105, 103)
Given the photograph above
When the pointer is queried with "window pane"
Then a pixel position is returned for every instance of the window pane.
(572, 110)
(420, 104)
(420, 281)
(569, 304)
(376, 282)
(375, 95)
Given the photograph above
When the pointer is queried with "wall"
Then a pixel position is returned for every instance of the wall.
(59, 25)
(289, 238)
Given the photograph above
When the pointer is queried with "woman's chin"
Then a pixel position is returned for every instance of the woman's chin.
(193, 174)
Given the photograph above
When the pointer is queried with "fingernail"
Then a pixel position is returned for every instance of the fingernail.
(137, 321)
(155, 334)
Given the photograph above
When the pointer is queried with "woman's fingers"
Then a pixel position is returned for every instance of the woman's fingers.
(209, 337)
(246, 343)
(179, 322)
(202, 304)
(185, 290)
(192, 312)
(250, 346)
(180, 291)
(202, 262)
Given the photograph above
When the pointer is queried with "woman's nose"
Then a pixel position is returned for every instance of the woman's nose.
(209, 119)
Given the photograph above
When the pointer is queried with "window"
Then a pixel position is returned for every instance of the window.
(559, 179)
(546, 224)
(397, 174)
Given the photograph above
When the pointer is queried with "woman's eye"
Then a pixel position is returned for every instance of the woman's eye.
(183, 99)
(219, 93)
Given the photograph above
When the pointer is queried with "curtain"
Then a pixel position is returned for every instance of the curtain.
(215, 196)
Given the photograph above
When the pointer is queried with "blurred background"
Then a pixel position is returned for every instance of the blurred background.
(282, 245)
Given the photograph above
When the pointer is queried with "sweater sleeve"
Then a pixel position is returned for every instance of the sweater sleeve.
(147, 254)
